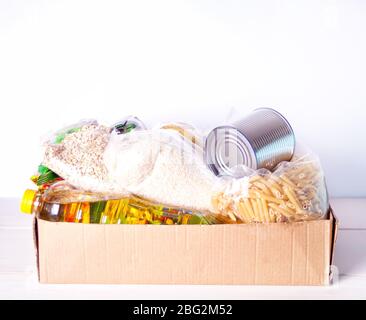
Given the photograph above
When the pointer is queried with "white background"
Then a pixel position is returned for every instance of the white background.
(193, 61)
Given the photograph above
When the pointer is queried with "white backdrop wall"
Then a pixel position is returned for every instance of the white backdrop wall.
(194, 61)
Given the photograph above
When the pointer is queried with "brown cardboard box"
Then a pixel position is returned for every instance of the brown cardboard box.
(266, 254)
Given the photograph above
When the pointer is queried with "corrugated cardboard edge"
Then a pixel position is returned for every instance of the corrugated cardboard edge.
(335, 225)
(36, 247)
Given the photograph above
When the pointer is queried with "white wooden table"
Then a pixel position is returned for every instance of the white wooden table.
(18, 277)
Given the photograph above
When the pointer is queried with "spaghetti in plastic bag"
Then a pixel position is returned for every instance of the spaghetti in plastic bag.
(295, 191)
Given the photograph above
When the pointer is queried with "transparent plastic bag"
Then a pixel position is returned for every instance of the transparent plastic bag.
(75, 153)
(165, 165)
(187, 131)
(128, 124)
(161, 164)
(295, 191)
(58, 136)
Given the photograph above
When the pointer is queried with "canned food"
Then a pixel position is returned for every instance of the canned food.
(263, 139)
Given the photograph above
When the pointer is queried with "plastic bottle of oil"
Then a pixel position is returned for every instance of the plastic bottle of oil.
(61, 203)
(36, 202)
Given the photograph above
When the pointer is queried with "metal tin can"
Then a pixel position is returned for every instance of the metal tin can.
(262, 139)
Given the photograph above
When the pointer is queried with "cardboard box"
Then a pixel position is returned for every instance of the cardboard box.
(266, 254)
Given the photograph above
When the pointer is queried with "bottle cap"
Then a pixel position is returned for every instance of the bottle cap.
(27, 201)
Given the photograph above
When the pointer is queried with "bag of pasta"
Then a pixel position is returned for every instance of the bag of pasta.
(295, 191)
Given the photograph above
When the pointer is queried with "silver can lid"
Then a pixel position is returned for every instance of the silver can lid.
(227, 151)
